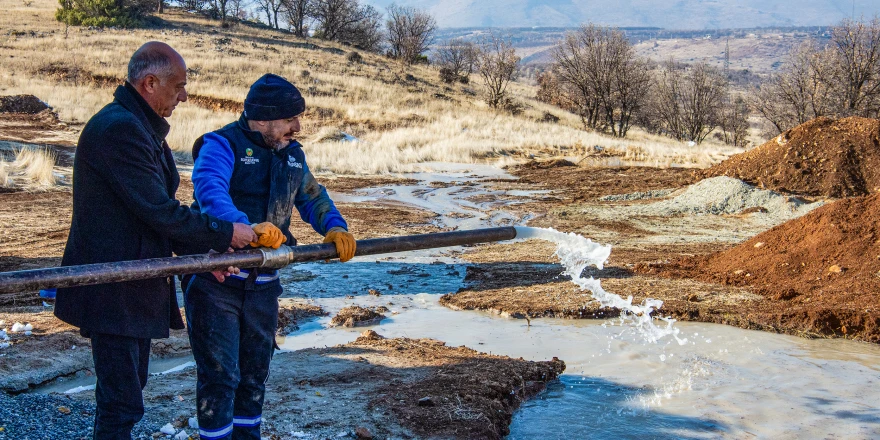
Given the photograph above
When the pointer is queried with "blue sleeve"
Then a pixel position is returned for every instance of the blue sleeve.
(315, 206)
(211, 174)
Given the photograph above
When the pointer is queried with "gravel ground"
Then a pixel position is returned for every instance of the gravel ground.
(54, 416)
(726, 195)
(639, 195)
(40, 416)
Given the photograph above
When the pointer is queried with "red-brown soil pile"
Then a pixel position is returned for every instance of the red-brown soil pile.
(822, 157)
(819, 274)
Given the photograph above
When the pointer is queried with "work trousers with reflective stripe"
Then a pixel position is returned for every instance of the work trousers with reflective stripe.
(121, 367)
(232, 334)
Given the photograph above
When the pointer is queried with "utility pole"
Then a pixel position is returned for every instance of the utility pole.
(727, 58)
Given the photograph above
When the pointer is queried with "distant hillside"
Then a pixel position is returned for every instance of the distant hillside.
(682, 14)
(756, 51)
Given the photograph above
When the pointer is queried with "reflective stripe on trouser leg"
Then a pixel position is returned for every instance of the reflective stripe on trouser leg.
(258, 323)
(215, 434)
(213, 313)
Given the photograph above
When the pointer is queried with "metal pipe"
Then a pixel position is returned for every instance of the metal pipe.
(114, 272)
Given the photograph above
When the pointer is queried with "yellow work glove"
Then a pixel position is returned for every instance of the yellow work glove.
(268, 235)
(344, 241)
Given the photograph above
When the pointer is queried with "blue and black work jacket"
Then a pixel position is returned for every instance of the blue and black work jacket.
(237, 177)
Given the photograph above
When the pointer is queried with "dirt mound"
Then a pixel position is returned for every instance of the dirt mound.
(822, 157)
(290, 314)
(463, 393)
(820, 273)
(28, 104)
(216, 104)
(726, 195)
(356, 316)
(547, 164)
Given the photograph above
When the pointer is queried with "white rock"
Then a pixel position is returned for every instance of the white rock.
(300, 434)
(27, 333)
(17, 327)
(28, 327)
(182, 435)
(168, 429)
(193, 423)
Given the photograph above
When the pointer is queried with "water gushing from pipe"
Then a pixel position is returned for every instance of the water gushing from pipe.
(576, 252)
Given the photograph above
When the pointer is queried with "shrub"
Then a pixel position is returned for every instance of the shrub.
(103, 13)
(354, 57)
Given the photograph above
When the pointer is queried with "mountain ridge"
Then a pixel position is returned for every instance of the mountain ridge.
(683, 14)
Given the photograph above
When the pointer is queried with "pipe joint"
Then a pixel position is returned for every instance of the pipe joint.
(276, 258)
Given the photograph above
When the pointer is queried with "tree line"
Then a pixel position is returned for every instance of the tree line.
(595, 72)
(404, 34)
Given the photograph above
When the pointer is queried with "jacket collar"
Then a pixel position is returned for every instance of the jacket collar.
(129, 98)
(257, 138)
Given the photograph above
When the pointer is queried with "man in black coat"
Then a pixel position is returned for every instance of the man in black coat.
(124, 208)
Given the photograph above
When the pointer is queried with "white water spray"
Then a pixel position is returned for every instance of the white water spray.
(576, 252)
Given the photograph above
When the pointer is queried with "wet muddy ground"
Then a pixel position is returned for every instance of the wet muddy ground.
(377, 384)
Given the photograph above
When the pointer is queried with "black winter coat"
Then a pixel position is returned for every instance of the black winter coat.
(124, 208)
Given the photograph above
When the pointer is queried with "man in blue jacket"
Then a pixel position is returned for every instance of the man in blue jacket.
(124, 208)
(251, 171)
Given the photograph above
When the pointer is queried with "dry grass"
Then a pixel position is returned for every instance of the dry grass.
(33, 169)
(402, 115)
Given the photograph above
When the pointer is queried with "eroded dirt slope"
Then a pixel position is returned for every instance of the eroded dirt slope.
(822, 157)
(820, 273)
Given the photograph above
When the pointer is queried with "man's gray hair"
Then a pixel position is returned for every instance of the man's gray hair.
(149, 62)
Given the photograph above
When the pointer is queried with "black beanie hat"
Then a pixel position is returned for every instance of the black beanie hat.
(273, 97)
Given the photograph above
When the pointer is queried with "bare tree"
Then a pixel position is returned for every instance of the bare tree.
(366, 32)
(456, 59)
(238, 8)
(296, 13)
(219, 6)
(333, 16)
(271, 8)
(496, 64)
(688, 100)
(804, 90)
(409, 32)
(841, 79)
(857, 45)
(734, 122)
(600, 74)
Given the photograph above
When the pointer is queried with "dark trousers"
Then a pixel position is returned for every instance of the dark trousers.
(232, 334)
(121, 367)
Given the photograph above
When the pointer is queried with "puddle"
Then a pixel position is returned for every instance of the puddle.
(724, 383)
(81, 382)
(457, 192)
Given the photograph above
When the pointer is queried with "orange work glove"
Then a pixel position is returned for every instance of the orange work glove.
(268, 235)
(344, 241)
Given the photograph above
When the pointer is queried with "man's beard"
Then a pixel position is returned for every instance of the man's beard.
(273, 143)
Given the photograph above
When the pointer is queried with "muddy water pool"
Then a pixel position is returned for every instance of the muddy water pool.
(724, 382)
